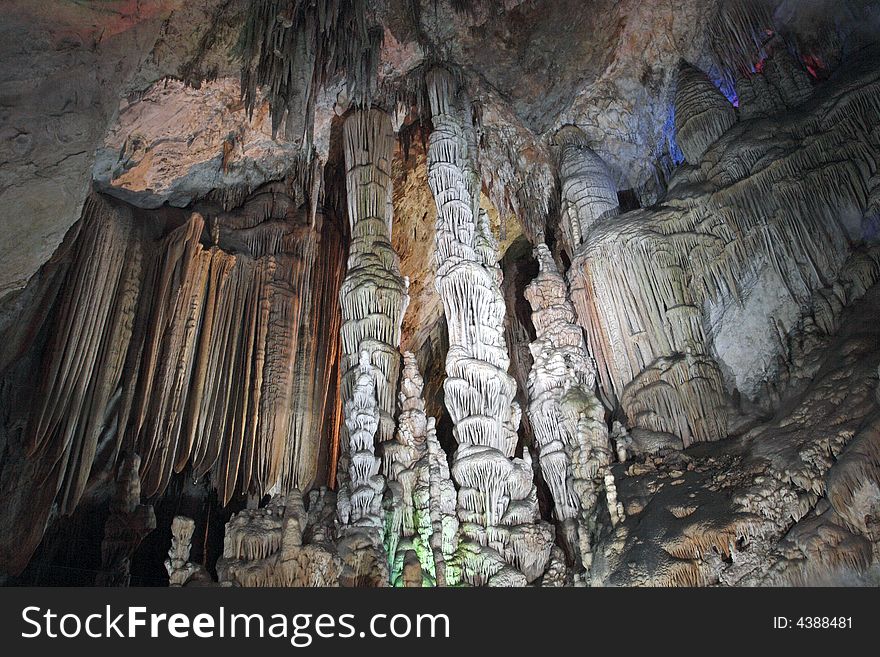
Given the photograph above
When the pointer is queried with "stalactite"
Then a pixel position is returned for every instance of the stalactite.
(738, 31)
(497, 503)
(567, 419)
(291, 49)
(588, 193)
(702, 113)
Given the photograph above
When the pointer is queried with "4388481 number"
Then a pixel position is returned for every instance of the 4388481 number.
(824, 622)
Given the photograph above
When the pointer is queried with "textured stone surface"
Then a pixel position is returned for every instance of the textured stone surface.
(176, 144)
(64, 70)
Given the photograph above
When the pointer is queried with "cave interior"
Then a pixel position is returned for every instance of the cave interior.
(421, 293)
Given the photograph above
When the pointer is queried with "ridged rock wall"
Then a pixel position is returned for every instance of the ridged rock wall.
(646, 284)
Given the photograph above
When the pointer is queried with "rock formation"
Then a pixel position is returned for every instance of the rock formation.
(181, 571)
(373, 298)
(189, 349)
(266, 547)
(567, 418)
(497, 506)
(421, 497)
(702, 113)
(588, 193)
(667, 227)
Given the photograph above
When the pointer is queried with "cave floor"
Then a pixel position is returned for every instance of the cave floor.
(774, 505)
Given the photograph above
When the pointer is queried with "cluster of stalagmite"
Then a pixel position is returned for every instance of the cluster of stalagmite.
(502, 541)
(421, 496)
(588, 193)
(271, 547)
(702, 113)
(183, 346)
(567, 418)
(373, 298)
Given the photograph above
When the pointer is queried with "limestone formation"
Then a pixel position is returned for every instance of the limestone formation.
(659, 240)
(702, 113)
(266, 547)
(420, 503)
(181, 571)
(497, 505)
(588, 193)
(190, 351)
(373, 298)
(567, 418)
(360, 492)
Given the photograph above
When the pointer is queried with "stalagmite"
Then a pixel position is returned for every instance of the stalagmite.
(421, 497)
(128, 524)
(502, 540)
(267, 547)
(641, 343)
(588, 193)
(181, 571)
(360, 492)
(702, 113)
(567, 419)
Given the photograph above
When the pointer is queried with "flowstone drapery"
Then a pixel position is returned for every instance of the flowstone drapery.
(373, 298)
(502, 541)
(702, 113)
(181, 339)
(588, 193)
(650, 285)
(566, 416)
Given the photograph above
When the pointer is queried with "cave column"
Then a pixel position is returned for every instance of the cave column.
(502, 541)
(373, 298)
(567, 418)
